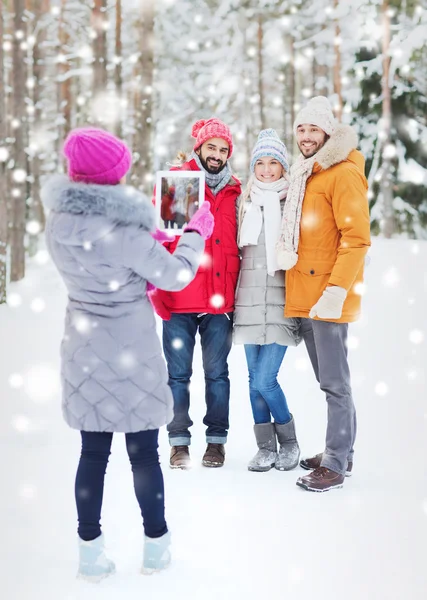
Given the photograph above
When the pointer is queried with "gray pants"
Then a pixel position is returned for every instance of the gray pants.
(327, 348)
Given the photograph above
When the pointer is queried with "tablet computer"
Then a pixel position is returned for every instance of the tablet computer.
(178, 195)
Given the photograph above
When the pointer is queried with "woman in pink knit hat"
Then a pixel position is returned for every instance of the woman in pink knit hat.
(100, 236)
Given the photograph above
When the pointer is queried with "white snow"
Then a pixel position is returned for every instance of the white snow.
(236, 534)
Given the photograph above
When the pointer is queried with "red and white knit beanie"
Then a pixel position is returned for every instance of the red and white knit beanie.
(212, 128)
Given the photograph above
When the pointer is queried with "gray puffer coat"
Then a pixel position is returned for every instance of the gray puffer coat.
(259, 307)
(113, 373)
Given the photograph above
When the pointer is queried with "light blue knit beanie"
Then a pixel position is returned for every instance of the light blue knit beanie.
(269, 144)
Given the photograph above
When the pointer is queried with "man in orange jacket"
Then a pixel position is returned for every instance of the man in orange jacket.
(324, 240)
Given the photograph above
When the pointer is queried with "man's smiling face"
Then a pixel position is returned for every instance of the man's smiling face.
(310, 139)
(213, 154)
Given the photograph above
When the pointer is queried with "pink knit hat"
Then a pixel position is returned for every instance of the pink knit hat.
(96, 156)
(212, 128)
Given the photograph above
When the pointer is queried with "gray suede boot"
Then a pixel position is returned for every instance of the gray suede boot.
(266, 456)
(289, 452)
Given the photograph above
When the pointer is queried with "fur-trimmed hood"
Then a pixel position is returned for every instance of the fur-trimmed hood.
(83, 213)
(118, 203)
(339, 147)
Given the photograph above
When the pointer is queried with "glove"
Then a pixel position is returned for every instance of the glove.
(162, 236)
(157, 303)
(202, 221)
(330, 303)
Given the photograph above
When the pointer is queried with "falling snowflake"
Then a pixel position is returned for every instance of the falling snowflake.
(41, 383)
(183, 275)
(205, 261)
(391, 277)
(21, 423)
(177, 343)
(28, 492)
(38, 305)
(127, 360)
(4, 154)
(217, 301)
(416, 336)
(42, 257)
(352, 342)
(412, 374)
(87, 245)
(114, 286)
(14, 300)
(381, 388)
(19, 175)
(82, 324)
(33, 227)
(16, 380)
(360, 289)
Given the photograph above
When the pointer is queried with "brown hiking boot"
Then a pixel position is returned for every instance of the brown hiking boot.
(180, 457)
(214, 455)
(321, 480)
(314, 462)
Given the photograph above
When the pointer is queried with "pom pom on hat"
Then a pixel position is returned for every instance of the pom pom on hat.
(205, 130)
(96, 156)
(318, 111)
(269, 144)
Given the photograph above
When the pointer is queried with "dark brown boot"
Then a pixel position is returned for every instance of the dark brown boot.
(314, 462)
(321, 480)
(214, 455)
(180, 457)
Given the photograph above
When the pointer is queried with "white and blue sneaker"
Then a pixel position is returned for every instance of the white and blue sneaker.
(93, 563)
(157, 555)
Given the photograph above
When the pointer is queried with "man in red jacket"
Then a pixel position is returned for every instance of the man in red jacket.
(206, 305)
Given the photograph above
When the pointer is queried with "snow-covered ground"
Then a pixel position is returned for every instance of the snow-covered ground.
(235, 534)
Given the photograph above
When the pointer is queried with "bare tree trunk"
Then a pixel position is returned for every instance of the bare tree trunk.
(17, 232)
(143, 98)
(260, 36)
(291, 81)
(36, 213)
(387, 224)
(337, 68)
(3, 175)
(63, 92)
(118, 81)
(99, 46)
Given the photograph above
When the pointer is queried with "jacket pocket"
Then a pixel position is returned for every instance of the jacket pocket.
(306, 283)
(231, 277)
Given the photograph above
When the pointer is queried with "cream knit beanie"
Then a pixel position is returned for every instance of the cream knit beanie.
(318, 111)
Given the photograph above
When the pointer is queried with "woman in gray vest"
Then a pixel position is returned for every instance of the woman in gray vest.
(259, 321)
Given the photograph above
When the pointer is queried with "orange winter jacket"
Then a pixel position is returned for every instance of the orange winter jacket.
(335, 229)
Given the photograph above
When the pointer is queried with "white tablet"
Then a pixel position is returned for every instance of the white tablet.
(178, 195)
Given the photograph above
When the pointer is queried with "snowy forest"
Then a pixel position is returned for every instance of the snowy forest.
(147, 69)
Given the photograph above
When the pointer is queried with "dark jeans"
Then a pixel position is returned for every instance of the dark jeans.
(147, 480)
(179, 338)
(266, 395)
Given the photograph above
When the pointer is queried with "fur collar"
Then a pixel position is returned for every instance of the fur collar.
(338, 147)
(120, 203)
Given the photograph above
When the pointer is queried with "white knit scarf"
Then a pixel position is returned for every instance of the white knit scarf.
(268, 196)
(287, 246)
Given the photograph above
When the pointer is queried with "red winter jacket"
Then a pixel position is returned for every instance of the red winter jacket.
(217, 276)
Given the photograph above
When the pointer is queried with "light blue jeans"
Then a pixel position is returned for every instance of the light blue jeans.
(266, 395)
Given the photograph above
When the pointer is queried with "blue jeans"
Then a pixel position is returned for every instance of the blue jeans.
(266, 395)
(147, 480)
(215, 337)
